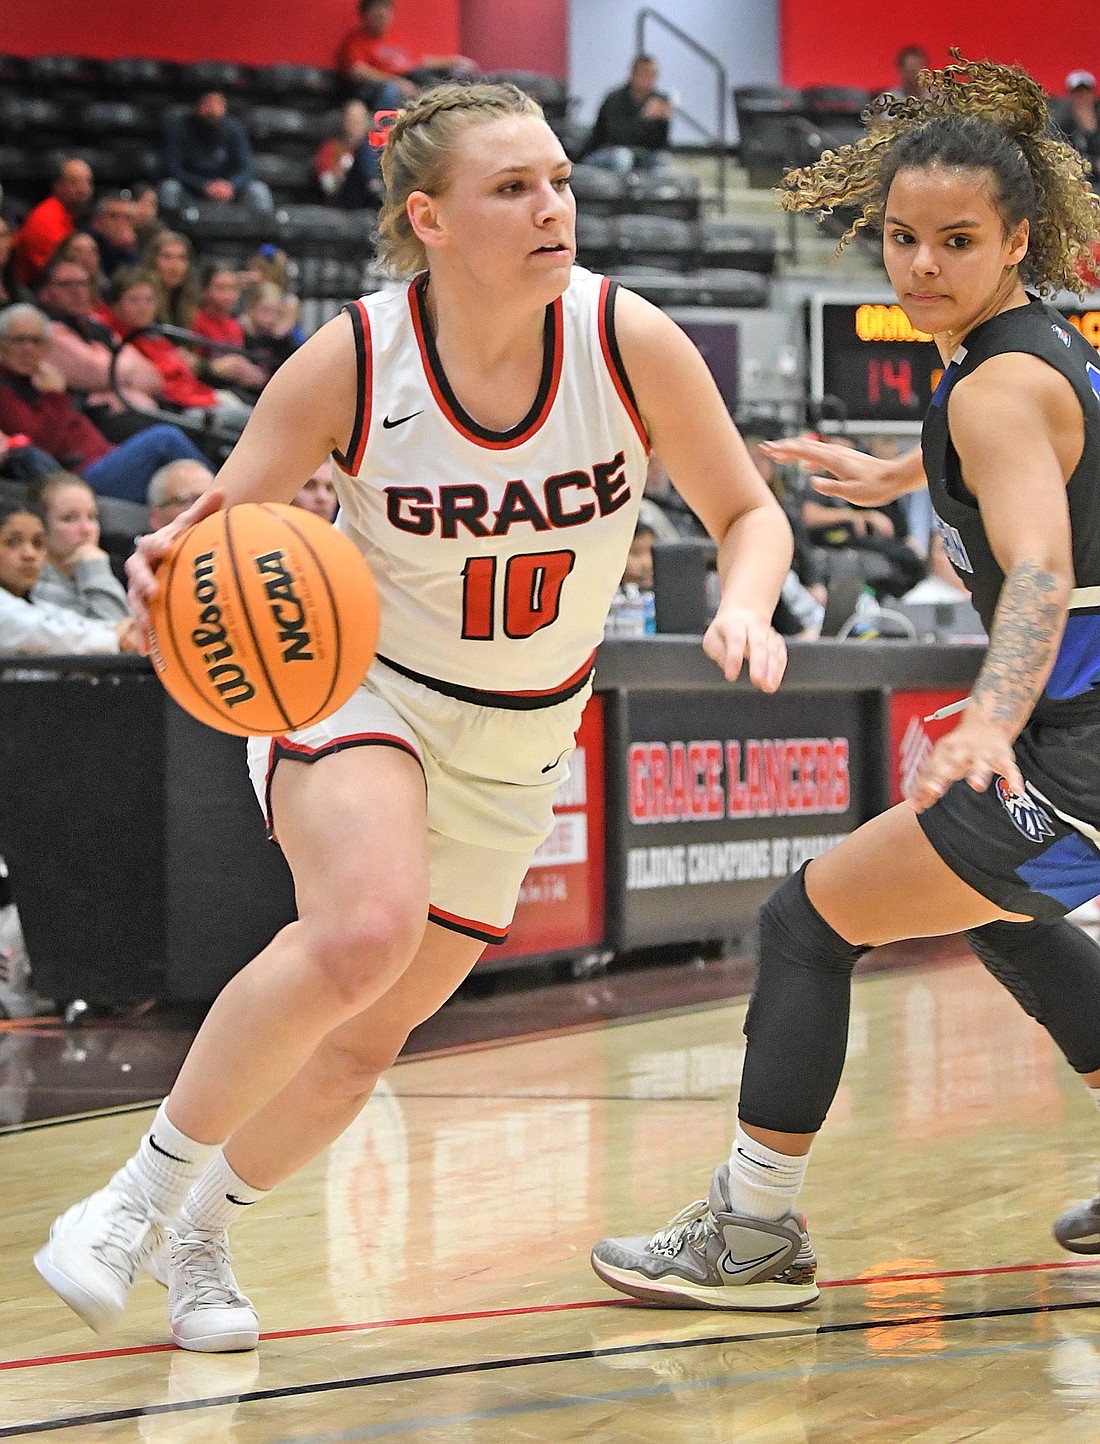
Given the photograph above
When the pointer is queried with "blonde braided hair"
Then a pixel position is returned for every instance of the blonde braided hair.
(977, 116)
(419, 153)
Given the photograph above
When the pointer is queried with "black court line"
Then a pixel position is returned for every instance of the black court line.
(35, 1124)
(120, 1109)
(486, 1366)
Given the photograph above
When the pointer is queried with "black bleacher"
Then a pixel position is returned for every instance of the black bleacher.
(647, 226)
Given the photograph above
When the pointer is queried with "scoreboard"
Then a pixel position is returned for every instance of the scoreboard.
(867, 356)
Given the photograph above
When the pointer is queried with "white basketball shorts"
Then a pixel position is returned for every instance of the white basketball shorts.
(491, 774)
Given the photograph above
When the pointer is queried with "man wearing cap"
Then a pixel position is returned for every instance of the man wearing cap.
(1077, 116)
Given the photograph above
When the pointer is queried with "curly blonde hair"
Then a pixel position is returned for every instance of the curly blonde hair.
(977, 116)
(419, 154)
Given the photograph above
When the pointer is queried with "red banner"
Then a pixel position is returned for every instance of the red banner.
(912, 734)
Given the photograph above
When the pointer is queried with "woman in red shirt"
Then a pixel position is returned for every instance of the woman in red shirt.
(132, 307)
(216, 319)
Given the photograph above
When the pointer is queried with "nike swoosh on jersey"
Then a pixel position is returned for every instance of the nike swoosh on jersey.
(388, 425)
(727, 1264)
(551, 765)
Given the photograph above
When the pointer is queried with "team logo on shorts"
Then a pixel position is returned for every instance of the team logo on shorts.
(1027, 816)
(1062, 335)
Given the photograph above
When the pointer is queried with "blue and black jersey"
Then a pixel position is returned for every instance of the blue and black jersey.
(1038, 330)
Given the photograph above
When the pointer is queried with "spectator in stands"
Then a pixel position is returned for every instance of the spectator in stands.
(81, 347)
(146, 215)
(50, 421)
(631, 129)
(346, 165)
(271, 264)
(185, 379)
(207, 156)
(174, 488)
(266, 342)
(877, 536)
(22, 461)
(319, 495)
(29, 625)
(674, 518)
(10, 288)
(83, 248)
(912, 59)
(801, 607)
(77, 572)
(382, 70)
(53, 219)
(216, 319)
(639, 559)
(170, 262)
(112, 225)
(1077, 116)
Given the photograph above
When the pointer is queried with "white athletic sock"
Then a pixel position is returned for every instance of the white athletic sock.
(218, 1198)
(167, 1163)
(763, 1184)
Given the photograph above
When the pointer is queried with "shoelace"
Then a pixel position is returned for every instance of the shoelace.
(126, 1226)
(691, 1226)
(204, 1262)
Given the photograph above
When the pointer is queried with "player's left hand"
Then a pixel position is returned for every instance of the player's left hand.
(978, 750)
(737, 633)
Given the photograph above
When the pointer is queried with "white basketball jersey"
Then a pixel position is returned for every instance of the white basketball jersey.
(496, 554)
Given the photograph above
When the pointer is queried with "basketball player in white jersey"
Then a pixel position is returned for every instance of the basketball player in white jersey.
(490, 424)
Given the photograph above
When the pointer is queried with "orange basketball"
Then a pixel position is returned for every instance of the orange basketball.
(266, 619)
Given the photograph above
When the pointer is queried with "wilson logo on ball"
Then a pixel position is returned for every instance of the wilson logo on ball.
(227, 678)
(265, 620)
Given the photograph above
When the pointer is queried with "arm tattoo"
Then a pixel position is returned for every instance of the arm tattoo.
(1027, 628)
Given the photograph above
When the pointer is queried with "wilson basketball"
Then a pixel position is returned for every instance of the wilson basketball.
(266, 619)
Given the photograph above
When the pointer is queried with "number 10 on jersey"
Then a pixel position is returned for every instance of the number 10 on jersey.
(530, 589)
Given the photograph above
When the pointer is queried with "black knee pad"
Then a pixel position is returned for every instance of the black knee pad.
(797, 1022)
(1053, 972)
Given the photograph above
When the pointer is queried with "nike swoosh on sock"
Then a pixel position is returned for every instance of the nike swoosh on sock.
(155, 1146)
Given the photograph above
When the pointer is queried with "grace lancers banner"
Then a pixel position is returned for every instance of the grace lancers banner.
(725, 794)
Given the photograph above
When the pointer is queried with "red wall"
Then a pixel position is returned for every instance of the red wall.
(259, 32)
(516, 34)
(854, 42)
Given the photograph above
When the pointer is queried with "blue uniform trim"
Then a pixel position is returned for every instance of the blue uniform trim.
(946, 381)
(1068, 870)
(1077, 667)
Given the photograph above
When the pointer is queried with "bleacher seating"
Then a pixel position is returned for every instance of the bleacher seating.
(647, 226)
(782, 127)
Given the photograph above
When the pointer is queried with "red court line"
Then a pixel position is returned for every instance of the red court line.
(372, 1324)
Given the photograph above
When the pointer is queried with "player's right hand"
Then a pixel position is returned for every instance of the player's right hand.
(150, 551)
(856, 477)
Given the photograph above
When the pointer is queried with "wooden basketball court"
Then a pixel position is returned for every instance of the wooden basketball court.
(427, 1279)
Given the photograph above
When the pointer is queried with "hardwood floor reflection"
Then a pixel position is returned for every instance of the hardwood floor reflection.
(427, 1278)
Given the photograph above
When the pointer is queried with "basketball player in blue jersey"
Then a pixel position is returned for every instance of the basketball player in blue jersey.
(490, 422)
(974, 197)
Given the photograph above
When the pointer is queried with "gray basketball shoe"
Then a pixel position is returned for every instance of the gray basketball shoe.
(709, 1257)
(1078, 1229)
(207, 1311)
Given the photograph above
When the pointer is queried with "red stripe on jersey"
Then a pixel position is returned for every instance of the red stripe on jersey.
(346, 739)
(479, 929)
(490, 440)
(614, 367)
(561, 687)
